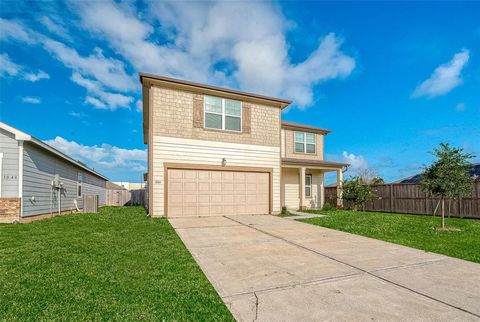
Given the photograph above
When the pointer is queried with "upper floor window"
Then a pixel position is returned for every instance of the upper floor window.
(223, 114)
(305, 142)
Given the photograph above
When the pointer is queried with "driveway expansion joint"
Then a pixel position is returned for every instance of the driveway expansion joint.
(371, 273)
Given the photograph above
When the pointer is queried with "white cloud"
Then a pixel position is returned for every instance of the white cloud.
(357, 162)
(55, 28)
(100, 98)
(110, 72)
(95, 72)
(202, 35)
(8, 67)
(13, 30)
(95, 102)
(11, 69)
(102, 157)
(76, 114)
(139, 106)
(444, 78)
(31, 100)
(34, 77)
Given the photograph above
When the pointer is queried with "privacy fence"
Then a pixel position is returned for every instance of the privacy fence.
(407, 198)
(117, 197)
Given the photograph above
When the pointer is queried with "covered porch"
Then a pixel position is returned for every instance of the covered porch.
(302, 184)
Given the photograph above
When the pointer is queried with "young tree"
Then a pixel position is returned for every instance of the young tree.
(448, 176)
(357, 191)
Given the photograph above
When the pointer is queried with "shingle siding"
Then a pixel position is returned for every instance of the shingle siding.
(40, 168)
(9, 148)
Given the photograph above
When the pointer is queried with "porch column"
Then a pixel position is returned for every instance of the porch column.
(302, 188)
(339, 188)
(321, 176)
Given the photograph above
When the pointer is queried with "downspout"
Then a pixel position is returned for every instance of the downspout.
(20, 175)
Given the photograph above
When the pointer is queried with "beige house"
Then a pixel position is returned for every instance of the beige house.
(216, 151)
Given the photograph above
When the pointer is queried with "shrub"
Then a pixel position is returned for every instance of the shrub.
(357, 191)
(285, 211)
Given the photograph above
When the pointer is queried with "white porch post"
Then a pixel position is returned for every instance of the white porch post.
(339, 188)
(321, 177)
(302, 188)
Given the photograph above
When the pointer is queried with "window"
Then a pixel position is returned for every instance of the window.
(305, 142)
(79, 184)
(223, 114)
(308, 185)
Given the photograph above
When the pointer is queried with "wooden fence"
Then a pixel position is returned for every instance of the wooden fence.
(408, 198)
(116, 197)
(138, 197)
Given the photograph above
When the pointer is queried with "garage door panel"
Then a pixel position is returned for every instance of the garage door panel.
(203, 186)
(190, 186)
(190, 174)
(216, 199)
(228, 199)
(240, 199)
(214, 193)
(175, 186)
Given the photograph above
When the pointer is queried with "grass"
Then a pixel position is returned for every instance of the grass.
(409, 230)
(115, 265)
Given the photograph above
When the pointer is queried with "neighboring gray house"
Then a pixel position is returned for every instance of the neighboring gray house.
(39, 181)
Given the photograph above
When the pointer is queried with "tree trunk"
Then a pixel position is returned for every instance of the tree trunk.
(443, 213)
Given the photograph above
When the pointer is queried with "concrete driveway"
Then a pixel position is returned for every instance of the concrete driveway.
(272, 269)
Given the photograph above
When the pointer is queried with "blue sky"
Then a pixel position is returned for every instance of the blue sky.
(391, 80)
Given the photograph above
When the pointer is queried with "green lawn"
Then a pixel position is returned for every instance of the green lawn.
(115, 265)
(409, 230)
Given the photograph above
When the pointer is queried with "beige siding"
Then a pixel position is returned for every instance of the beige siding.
(181, 150)
(291, 186)
(289, 147)
(173, 117)
(282, 144)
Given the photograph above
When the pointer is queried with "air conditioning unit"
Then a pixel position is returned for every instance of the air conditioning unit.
(90, 203)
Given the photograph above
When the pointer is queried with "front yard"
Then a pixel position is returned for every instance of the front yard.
(409, 230)
(115, 265)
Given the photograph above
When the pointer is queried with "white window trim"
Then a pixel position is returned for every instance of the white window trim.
(308, 185)
(304, 142)
(223, 114)
(80, 184)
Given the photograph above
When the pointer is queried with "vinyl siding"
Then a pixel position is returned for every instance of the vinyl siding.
(179, 150)
(40, 168)
(291, 192)
(9, 148)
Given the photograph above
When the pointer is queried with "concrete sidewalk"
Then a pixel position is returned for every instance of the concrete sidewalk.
(268, 268)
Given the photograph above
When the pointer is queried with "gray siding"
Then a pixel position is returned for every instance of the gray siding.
(40, 168)
(9, 148)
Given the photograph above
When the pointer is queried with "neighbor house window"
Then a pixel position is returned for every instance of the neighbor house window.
(305, 142)
(79, 184)
(223, 114)
(308, 185)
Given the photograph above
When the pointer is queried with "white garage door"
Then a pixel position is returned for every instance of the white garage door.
(213, 193)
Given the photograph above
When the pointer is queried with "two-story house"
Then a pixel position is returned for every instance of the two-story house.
(217, 151)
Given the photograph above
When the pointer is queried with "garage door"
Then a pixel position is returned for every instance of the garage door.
(213, 193)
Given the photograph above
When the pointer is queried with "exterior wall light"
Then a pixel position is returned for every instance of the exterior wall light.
(224, 162)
